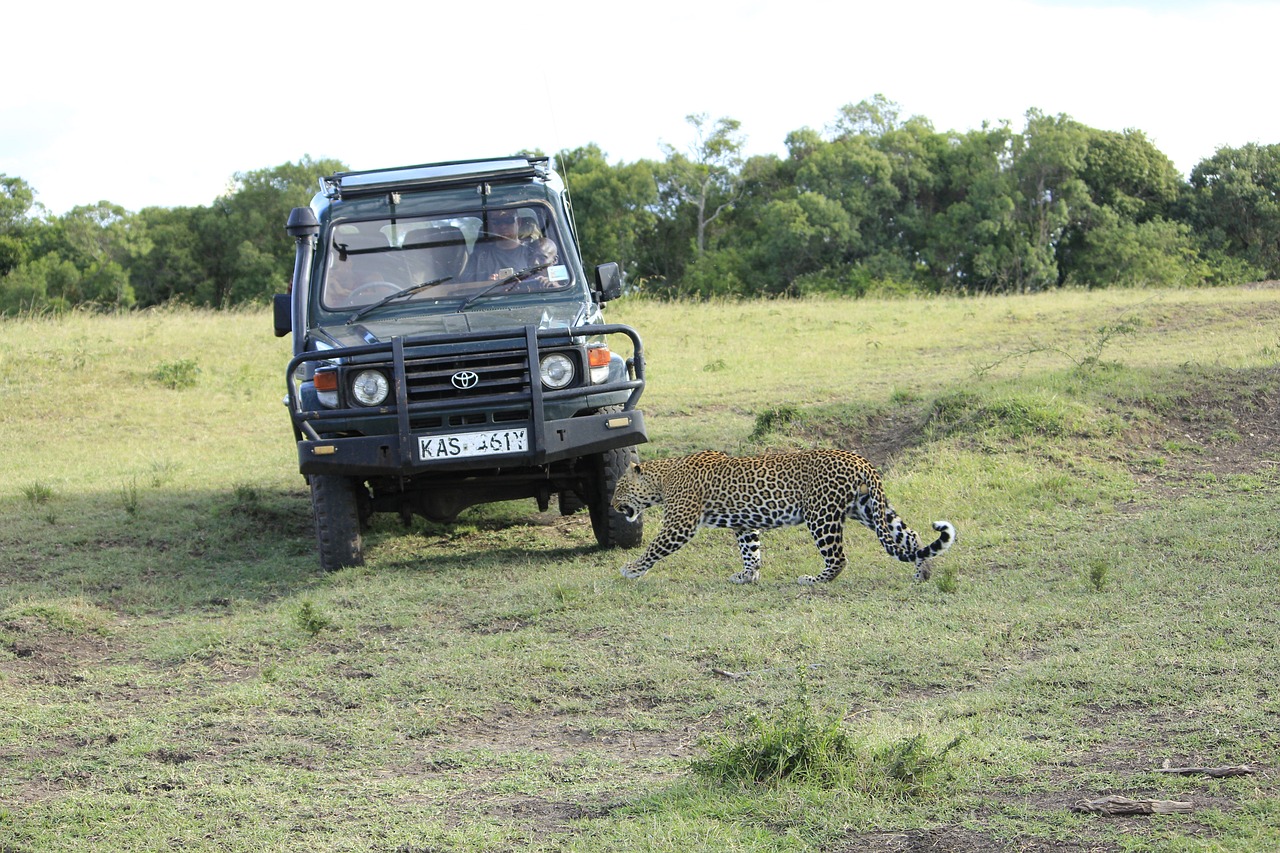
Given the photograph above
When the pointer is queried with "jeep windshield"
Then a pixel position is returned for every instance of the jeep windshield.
(444, 263)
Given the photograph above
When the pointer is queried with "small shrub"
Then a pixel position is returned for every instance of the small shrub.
(162, 472)
(177, 375)
(945, 579)
(247, 496)
(773, 420)
(795, 743)
(310, 619)
(908, 765)
(800, 745)
(1098, 570)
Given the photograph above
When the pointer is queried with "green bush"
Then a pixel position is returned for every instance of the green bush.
(177, 375)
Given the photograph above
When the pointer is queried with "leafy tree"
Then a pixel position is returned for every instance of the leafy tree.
(1126, 172)
(854, 174)
(875, 117)
(1234, 205)
(173, 267)
(808, 235)
(1116, 250)
(968, 245)
(1050, 194)
(101, 233)
(720, 272)
(915, 152)
(16, 200)
(613, 207)
(1122, 233)
(46, 282)
(707, 180)
(246, 253)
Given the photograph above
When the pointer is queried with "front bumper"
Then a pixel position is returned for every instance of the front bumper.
(327, 444)
(370, 456)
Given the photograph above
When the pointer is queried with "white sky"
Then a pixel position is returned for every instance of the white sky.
(148, 104)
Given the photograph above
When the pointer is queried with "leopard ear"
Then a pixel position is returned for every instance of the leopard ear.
(635, 467)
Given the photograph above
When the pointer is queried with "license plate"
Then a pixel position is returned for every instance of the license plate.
(463, 444)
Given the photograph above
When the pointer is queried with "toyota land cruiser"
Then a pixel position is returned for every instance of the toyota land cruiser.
(449, 351)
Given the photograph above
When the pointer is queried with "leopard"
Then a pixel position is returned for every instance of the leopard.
(818, 487)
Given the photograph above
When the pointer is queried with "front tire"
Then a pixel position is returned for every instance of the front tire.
(335, 501)
(611, 527)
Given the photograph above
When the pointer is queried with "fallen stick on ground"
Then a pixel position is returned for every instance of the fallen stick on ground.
(1117, 805)
(1216, 772)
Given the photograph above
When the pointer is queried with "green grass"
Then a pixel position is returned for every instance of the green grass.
(176, 671)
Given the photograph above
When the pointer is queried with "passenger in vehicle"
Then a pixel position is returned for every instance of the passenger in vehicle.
(542, 253)
(499, 251)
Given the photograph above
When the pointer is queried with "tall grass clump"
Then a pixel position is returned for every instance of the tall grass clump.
(37, 493)
(177, 375)
(776, 419)
(799, 744)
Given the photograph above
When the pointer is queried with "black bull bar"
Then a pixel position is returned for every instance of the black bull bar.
(396, 453)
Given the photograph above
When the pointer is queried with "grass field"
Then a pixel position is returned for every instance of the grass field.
(177, 673)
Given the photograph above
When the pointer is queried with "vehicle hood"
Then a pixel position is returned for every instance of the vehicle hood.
(372, 330)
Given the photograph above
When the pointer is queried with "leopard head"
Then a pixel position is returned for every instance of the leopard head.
(636, 491)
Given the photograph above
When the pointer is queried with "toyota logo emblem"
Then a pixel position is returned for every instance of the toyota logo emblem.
(465, 379)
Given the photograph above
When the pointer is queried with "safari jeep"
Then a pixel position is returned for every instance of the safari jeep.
(449, 350)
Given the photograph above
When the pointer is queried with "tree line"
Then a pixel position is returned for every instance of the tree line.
(874, 203)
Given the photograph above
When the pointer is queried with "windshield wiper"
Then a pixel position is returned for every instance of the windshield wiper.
(515, 276)
(399, 294)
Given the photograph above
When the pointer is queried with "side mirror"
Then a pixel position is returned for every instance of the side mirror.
(282, 308)
(608, 281)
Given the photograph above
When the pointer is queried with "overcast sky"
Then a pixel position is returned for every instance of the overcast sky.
(143, 104)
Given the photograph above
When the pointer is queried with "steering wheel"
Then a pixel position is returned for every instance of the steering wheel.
(369, 291)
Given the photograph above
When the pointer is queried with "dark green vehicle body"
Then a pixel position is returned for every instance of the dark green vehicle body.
(422, 382)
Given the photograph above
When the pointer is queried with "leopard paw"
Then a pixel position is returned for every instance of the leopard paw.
(922, 572)
(631, 573)
(807, 580)
(746, 576)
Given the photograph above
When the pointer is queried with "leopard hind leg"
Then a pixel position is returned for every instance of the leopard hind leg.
(827, 530)
(749, 547)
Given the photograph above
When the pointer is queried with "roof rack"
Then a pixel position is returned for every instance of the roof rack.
(455, 172)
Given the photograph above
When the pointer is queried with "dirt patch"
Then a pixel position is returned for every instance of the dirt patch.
(48, 655)
(1227, 425)
(563, 736)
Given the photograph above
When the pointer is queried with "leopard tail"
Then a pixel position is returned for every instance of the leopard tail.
(946, 535)
(906, 548)
(901, 541)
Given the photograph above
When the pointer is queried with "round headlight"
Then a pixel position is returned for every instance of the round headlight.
(557, 370)
(370, 387)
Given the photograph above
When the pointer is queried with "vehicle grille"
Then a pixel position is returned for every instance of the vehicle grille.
(499, 372)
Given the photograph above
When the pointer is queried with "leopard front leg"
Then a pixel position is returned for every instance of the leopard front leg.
(828, 535)
(749, 547)
(671, 538)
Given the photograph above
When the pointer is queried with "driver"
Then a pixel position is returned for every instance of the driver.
(501, 251)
